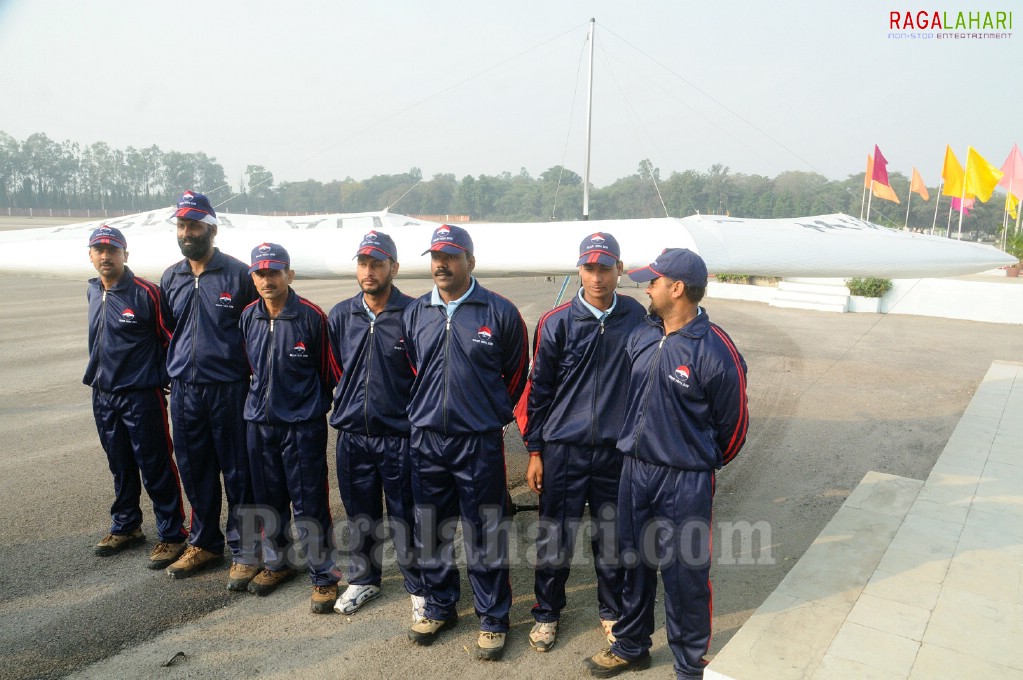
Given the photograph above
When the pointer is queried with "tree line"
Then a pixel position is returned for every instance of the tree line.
(42, 173)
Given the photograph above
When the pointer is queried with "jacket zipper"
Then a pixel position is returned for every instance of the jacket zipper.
(102, 328)
(596, 384)
(269, 370)
(646, 395)
(195, 324)
(447, 370)
(369, 372)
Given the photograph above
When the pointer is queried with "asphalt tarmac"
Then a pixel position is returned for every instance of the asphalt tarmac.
(832, 396)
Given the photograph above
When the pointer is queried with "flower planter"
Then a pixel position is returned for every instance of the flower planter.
(864, 304)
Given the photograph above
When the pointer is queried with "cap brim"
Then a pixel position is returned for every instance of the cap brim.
(107, 241)
(449, 248)
(597, 257)
(375, 252)
(269, 264)
(644, 274)
(197, 215)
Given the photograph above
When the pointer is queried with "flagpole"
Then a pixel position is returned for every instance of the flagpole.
(937, 200)
(863, 198)
(870, 198)
(948, 227)
(962, 199)
(909, 201)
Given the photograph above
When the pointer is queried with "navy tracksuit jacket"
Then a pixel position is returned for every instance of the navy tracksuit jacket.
(370, 413)
(686, 417)
(209, 381)
(575, 404)
(470, 371)
(293, 374)
(126, 370)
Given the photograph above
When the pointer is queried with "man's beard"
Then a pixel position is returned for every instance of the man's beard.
(199, 246)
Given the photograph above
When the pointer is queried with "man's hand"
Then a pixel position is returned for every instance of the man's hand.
(534, 474)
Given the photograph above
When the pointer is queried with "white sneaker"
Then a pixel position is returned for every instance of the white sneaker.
(543, 635)
(354, 597)
(607, 626)
(418, 608)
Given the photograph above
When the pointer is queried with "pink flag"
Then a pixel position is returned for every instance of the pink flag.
(880, 166)
(1012, 173)
(963, 206)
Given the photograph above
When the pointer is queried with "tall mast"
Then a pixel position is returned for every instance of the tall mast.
(589, 126)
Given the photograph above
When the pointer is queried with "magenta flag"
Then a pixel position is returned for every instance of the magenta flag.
(1012, 173)
(880, 166)
(963, 206)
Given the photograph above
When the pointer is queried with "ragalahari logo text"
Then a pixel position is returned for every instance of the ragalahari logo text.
(933, 24)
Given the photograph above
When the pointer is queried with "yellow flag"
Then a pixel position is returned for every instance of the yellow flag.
(869, 176)
(917, 185)
(886, 192)
(1011, 202)
(952, 174)
(981, 176)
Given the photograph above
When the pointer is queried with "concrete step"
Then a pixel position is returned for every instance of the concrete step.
(817, 288)
(809, 304)
(789, 635)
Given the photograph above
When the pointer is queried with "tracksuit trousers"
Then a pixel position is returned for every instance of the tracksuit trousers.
(463, 476)
(374, 471)
(664, 522)
(289, 470)
(133, 431)
(209, 441)
(572, 477)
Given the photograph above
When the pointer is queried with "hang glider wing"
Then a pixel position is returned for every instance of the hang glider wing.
(323, 245)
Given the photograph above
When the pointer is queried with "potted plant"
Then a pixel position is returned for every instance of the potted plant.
(865, 294)
(1014, 247)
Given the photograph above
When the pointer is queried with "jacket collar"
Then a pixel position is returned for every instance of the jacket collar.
(697, 328)
(290, 310)
(392, 304)
(216, 262)
(121, 284)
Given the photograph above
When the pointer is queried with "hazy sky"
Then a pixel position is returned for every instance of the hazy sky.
(326, 90)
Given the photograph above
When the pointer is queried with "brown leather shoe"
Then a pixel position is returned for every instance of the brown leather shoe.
(115, 543)
(240, 575)
(267, 580)
(425, 631)
(164, 554)
(490, 646)
(607, 664)
(193, 561)
(323, 599)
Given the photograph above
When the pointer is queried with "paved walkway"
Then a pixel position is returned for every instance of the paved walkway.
(910, 579)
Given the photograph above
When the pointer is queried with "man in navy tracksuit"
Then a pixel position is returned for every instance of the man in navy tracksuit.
(686, 417)
(371, 416)
(293, 375)
(575, 404)
(468, 347)
(204, 296)
(127, 373)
